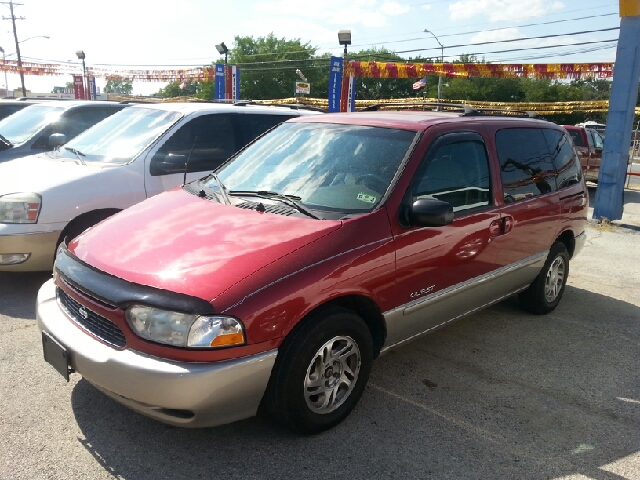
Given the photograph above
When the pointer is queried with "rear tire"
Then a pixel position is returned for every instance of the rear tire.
(545, 292)
(321, 371)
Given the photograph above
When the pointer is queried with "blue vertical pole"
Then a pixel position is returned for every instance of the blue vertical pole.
(624, 94)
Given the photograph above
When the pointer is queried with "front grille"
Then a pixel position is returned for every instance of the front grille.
(104, 329)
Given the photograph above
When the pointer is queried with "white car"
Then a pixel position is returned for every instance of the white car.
(134, 154)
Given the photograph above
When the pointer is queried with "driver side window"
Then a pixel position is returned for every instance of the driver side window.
(456, 172)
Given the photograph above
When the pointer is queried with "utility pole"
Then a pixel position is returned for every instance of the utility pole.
(15, 36)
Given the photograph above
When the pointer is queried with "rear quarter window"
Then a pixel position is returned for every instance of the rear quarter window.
(563, 157)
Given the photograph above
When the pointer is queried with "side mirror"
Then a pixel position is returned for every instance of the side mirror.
(171, 163)
(57, 139)
(429, 212)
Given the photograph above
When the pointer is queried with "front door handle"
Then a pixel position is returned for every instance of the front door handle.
(501, 226)
(507, 224)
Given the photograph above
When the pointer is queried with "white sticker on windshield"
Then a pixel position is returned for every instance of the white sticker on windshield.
(363, 197)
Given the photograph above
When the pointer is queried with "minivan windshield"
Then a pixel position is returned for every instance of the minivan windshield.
(22, 125)
(120, 137)
(324, 166)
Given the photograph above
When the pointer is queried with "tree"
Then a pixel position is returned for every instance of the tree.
(179, 89)
(117, 84)
(268, 67)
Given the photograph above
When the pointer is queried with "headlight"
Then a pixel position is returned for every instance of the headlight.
(184, 330)
(20, 208)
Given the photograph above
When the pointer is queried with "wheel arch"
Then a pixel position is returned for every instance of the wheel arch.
(362, 306)
(84, 221)
(569, 240)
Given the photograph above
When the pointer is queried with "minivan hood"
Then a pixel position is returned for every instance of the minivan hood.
(182, 243)
(37, 173)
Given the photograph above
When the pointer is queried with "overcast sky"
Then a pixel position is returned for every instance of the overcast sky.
(183, 33)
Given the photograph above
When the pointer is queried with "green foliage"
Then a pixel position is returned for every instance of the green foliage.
(179, 89)
(260, 79)
(117, 84)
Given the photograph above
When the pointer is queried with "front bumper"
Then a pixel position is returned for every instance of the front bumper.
(179, 393)
(41, 248)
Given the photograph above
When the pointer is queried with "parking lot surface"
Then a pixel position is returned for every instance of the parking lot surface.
(501, 394)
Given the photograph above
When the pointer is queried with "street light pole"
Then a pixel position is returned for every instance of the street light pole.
(441, 60)
(4, 64)
(344, 38)
(81, 56)
(223, 49)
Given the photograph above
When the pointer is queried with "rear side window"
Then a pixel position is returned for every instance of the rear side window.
(206, 142)
(577, 138)
(563, 157)
(597, 139)
(253, 125)
(455, 170)
(526, 166)
(6, 110)
(77, 121)
(73, 122)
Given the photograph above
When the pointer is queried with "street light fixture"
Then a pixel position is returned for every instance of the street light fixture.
(222, 50)
(301, 75)
(441, 60)
(81, 56)
(37, 36)
(344, 38)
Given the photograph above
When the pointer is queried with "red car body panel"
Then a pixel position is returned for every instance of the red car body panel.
(183, 243)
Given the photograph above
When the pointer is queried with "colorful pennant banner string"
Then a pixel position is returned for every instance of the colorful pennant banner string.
(353, 68)
(495, 70)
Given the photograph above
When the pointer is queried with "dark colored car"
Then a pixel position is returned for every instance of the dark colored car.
(588, 144)
(328, 241)
(46, 125)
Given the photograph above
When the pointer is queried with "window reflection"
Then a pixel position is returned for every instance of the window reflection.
(329, 166)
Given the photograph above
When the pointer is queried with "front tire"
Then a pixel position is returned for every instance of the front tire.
(545, 292)
(321, 371)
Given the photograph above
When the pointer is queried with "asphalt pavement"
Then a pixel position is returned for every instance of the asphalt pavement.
(501, 394)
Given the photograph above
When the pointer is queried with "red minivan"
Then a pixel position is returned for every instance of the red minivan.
(275, 281)
(589, 144)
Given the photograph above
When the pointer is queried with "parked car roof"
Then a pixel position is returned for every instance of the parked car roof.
(191, 107)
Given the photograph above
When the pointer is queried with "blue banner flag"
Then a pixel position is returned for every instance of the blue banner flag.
(218, 93)
(335, 84)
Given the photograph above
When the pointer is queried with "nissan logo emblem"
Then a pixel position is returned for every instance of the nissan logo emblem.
(83, 313)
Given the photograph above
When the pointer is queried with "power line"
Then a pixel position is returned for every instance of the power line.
(520, 39)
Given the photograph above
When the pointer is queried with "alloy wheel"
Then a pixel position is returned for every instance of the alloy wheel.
(332, 374)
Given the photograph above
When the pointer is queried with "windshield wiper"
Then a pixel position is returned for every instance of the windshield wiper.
(290, 200)
(4, 139)
(77, 153)
(223, 189)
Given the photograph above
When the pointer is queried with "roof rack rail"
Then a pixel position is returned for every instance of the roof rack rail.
(293, 106)
(24, 99)
(126, 102)
(466, 110)
(447, 106)
(501, 111)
